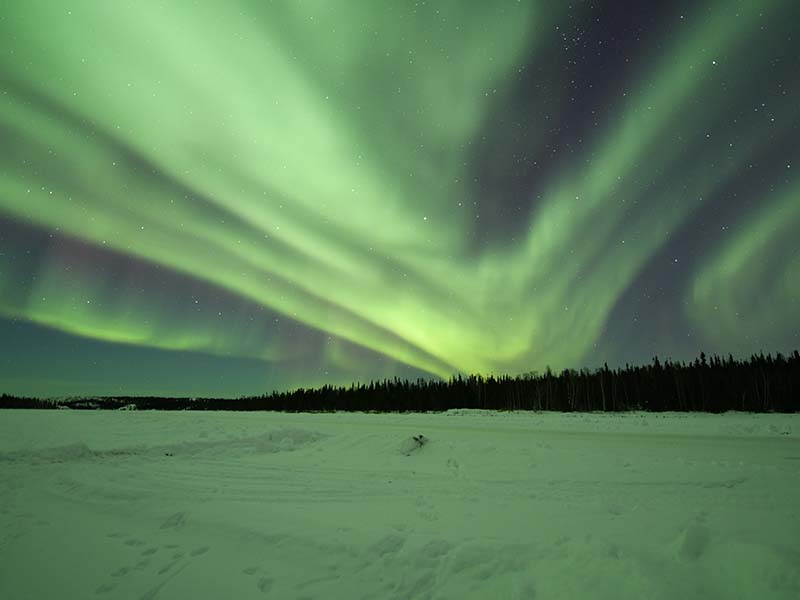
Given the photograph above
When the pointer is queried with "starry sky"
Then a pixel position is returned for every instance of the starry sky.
(225, 198)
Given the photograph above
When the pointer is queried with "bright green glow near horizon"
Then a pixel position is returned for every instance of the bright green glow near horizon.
(315, 161)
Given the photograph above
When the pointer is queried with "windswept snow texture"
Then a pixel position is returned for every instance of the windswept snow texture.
(147, 505)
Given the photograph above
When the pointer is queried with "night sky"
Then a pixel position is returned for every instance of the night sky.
(224, 198)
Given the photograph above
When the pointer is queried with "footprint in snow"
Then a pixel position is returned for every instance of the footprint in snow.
(116, 534)
(693, 542)
(199, 551)
(105, 588)
(174, 521)
(265, 584)
(168, 567)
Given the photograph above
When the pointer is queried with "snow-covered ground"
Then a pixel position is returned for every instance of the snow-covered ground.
(189, 505)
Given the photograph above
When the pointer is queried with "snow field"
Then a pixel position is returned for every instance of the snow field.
(147, 505)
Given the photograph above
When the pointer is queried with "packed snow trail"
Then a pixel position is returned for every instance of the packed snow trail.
(147, 505)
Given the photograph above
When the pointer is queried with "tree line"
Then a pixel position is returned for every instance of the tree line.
(758, 384)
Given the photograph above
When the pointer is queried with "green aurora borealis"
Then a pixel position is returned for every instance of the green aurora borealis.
(225, 198)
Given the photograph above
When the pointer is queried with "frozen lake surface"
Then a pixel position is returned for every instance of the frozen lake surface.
(175, 505)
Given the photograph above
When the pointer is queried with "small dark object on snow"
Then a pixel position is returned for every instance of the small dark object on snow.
(412, 444)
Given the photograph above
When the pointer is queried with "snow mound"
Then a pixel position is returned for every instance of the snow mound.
(69, 453)
(285, 440)
(271, 442)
